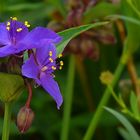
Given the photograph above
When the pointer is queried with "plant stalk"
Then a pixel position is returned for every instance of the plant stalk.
(68, 99)
(94, 122)
(7, 120)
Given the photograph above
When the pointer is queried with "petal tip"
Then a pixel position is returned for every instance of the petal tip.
(59, 103)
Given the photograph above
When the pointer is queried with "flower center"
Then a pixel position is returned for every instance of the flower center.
(16, 29)
(51, 64)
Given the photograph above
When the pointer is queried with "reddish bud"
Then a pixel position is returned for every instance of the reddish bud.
(24, 119)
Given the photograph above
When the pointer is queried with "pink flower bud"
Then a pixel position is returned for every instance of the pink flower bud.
(24, 119)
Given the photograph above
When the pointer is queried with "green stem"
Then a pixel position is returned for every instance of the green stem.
(68, 99)
(121, 103)
(7, 119)
(94, 122)
(114, 94)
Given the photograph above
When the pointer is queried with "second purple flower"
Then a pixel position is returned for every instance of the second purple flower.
(40, 66)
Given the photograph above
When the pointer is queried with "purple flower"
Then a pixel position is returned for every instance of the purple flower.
(40, 66)
(15, 37)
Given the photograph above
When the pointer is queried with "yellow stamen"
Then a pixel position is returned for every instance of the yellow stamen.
(50, 53)
(14, 18)
(53, 75)
(53, 68)
(51, 60)
(60, 55)
(44, 68)
(8, 23)
(61, 63)
(27, 24)
(60, 67)
(19, 29)
(8, 28)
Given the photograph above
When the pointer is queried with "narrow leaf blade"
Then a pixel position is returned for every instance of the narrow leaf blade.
(73, 32)
(124, 134)
(125, 123)
(134, 104)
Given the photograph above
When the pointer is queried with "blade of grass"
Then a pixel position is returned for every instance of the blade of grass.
(68, 99)
(128, 126)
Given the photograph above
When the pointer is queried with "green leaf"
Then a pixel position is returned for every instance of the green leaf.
(24, 6)
(59, 4)
(134, 6)
(10, 86)
(124, 134)
(73, 32)
(132, 132)
(133, 36)
(97, 12)
(134, 104)
(125, 18)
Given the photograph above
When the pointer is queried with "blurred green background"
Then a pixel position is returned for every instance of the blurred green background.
(87, 90)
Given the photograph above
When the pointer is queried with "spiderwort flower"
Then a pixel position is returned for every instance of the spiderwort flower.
(15, 37)
(40, 66)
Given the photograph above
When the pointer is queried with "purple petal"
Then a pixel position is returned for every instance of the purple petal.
(4, 35)
(39, 33)
(11, 49)
(42, 53)
(7, 50)
(51, 86)
(30, 68)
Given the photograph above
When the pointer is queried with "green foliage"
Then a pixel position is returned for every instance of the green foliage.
(73, 32)
(134, 105)
(132, 40)
(124, 133)
(97, 12)
(48, 120)
(10, 87)
(130, 129)
(24, 6)
(59, 5)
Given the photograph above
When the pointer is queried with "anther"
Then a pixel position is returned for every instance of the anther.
(53, 68)
(60, 67)
(27, 24)
(60, 55)
(14, 18)
(51, 60)
(44, 68)
(8, 23)
(19, 29)
(50, 53)
(8, 28)
(53, 75)
(61, 63)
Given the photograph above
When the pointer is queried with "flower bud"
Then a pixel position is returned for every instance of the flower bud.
(24, 119)
(106, 77)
